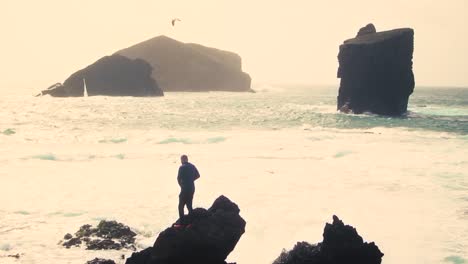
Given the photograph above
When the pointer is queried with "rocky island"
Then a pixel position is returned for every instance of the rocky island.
(182, 66)
(376, 71)
(157, 65)
(113, 75)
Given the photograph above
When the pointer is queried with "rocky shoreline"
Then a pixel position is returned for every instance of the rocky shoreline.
(208, 236)
(107, 235)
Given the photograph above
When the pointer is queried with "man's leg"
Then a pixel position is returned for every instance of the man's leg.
(189, 202)
(181, 205)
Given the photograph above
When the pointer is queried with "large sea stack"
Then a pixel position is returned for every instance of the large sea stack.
(114, 75)
(182, 66)
(376, 71)
(203, 237)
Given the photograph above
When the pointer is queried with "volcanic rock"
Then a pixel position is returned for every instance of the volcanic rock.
(376, 72)
(368, 29)
(107, 235)
(341, 244)
(72, 242)
(204, 236)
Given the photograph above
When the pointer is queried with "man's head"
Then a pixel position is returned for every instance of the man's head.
(183, 159)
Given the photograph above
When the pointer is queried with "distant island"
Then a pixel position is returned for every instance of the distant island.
(113, 75)
(179, 66)
(155, 66)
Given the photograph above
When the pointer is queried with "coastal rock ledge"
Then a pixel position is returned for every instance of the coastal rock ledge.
(341, 244)
(376, 71)
(204, 237)
(114, 75)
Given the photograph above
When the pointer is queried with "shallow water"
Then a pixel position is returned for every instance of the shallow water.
(284, 155)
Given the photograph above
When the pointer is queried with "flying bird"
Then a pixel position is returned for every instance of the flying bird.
(174, 20)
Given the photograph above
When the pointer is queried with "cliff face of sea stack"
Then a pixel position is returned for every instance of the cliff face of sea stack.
(376, 71)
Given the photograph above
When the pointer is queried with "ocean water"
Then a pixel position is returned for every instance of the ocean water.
(284, 155)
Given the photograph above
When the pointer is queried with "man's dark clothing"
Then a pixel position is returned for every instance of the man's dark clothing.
(188, 173)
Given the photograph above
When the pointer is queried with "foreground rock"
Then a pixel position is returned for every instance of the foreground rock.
(112, 76)
(376, 71)
(190, 67)
(107, 235)
(341, 244)
(206, 237)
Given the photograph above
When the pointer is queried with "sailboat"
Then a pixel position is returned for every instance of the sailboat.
(85, 93)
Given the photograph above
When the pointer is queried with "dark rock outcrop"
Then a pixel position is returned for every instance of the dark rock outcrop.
(341, 244)
(205, 237)
(16, 256)
(55, 90)
(368, 29)
(112, 76)
(101, 261)
(72, 242)
(376, 71)
(190, 67)
(107, 235)
(99, 244)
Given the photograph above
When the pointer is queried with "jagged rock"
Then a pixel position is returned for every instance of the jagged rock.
(16, 256)
(56, 90)
(107, 235)
(72, 242)
(85, 231)
(114, 230)
(376, 72)
(98, 244)
(68, 236)
(101, 261)
(206, 236)
(341, 244)
(368, 29)
(112, 76)
(190, 67)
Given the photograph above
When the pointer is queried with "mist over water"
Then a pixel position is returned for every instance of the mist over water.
(284, 155)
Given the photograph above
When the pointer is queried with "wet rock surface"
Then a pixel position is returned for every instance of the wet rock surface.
(341, 244)
(205, 236)
(107, 235)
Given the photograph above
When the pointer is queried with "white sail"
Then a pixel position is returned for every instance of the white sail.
(85, 93)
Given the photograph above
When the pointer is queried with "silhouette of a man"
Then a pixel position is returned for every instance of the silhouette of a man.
(188, 173)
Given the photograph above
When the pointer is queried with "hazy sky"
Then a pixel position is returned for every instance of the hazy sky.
(43, 42)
